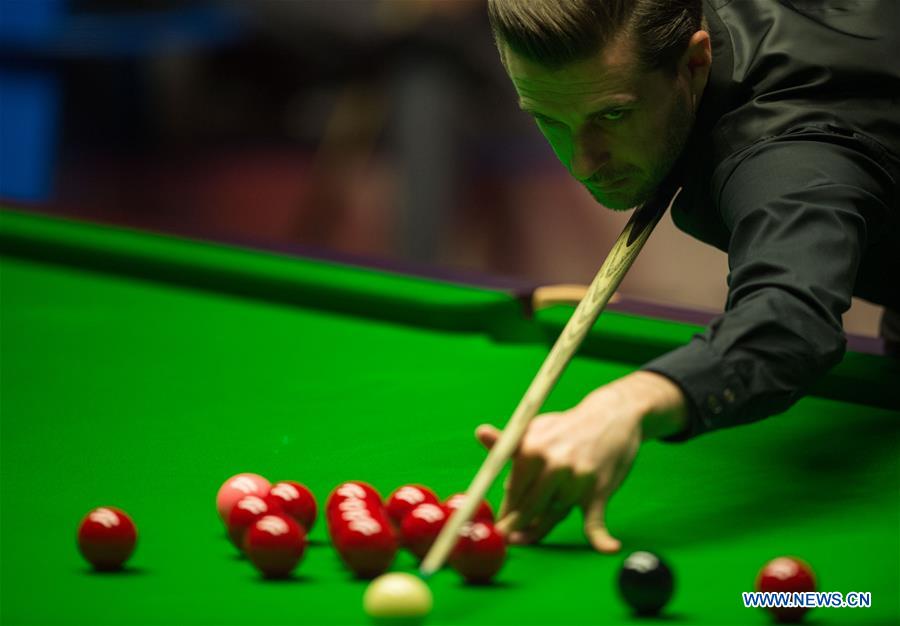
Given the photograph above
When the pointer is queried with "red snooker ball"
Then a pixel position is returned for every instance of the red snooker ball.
(787, 574)
(365, 542)
(405, 499)
(352, 490)
(106, 538)
(421, 526)
(354, 509)
(480, 552)
(297, 501)
(246, 511)
(275, 545)
(483, 513)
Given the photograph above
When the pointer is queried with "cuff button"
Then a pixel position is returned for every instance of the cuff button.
(714, 405)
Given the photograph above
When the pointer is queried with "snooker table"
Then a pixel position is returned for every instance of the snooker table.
(141, 370)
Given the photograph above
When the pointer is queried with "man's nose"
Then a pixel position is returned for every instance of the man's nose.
(589, 155)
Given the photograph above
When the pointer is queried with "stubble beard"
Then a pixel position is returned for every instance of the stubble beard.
(678, 130)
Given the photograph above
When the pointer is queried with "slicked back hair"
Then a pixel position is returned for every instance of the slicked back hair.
(554, 33)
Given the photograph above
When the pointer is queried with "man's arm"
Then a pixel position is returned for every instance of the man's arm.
(801, 210)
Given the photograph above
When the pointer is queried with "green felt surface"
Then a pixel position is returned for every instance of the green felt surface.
(146, 393)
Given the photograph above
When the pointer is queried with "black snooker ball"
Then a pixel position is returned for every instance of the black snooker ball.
(645, 583)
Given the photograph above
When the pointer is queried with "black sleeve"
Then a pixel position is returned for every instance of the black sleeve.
(800, 210)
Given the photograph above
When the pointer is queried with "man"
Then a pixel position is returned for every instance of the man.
(780, 121)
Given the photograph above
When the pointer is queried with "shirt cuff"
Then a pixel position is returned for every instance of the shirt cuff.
(713, 390)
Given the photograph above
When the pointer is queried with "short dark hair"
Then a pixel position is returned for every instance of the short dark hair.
(554, 33)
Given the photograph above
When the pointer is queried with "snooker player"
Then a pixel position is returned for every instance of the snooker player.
(780, 121)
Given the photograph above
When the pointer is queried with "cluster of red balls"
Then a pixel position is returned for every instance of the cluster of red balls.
(270, 524)
(367, 531)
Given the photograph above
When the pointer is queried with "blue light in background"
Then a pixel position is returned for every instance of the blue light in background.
(35, 34)
(29, 101)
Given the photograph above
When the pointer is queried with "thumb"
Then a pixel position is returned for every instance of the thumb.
(595, 525)
(487, 435)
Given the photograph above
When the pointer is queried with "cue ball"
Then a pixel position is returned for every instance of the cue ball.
(646, 583)
(397, 598)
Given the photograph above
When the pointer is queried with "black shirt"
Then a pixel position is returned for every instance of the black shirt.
(792, 168)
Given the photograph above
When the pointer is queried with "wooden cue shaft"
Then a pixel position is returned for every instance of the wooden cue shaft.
(607, 280)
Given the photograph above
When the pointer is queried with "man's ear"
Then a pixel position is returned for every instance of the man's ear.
(697, 61)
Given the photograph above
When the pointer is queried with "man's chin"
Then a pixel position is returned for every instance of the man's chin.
(621, 199)
(614, 201)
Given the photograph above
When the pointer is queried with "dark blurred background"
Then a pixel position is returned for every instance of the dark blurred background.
(376, 130)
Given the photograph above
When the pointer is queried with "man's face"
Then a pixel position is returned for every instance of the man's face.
(617, 128)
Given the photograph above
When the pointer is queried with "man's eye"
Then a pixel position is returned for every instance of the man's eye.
(612, 116)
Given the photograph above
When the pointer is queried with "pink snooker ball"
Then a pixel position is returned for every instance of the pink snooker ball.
(237, 487)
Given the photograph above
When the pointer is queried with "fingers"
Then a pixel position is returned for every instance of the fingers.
(526, 471)
(541, 527)
(503, 517)
(595, 522)
(532, 502)
(487, 435)
(517, 480)
(542, 486)
(567, 495)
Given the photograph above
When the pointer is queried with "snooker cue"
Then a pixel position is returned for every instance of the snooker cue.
(611, 273)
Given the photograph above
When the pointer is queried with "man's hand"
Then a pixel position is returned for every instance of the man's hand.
(580, 457)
